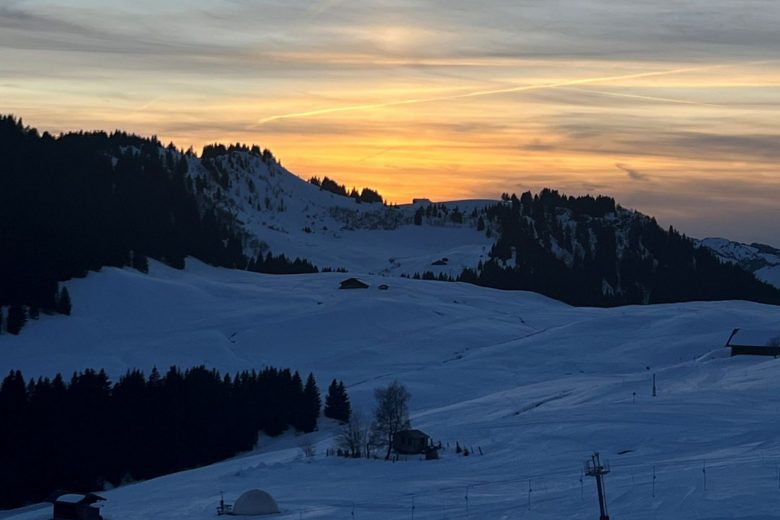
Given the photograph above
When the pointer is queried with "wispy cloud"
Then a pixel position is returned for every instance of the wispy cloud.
(537, 145)
(633, 174)
(642, 97)
(14, 17)
(492, 92)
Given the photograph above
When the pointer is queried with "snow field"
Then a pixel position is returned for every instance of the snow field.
(536, 384)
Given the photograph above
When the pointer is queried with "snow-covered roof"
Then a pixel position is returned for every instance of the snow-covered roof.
(71, 498)
(79, 498)
(353, 282)
(755, 338)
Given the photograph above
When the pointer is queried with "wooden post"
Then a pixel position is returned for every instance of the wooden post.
(704, 473)
(653, 481)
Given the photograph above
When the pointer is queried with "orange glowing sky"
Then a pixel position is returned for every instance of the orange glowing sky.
(673, 108)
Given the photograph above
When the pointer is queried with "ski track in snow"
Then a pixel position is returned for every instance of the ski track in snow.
(535, 384)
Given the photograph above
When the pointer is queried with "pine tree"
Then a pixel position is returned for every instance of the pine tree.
(17, 317)
(331, 400)
(63, 302)
(296, 411)
(337, 402)
(345, 409)
(311, 405)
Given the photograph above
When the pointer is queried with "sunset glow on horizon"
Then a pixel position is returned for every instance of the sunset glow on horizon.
(673, 110)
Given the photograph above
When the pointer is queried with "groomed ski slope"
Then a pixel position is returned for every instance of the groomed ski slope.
(536, 384)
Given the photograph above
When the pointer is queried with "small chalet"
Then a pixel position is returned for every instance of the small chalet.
(353, 283)
(77, 506)
(754, 342)
(411, 442)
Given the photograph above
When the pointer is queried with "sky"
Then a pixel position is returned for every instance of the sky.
(671, 107)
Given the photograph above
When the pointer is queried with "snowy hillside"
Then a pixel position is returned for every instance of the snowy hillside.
(581, 250)
(760, 259)
(535, 384)
(119, 199)
(284, 214)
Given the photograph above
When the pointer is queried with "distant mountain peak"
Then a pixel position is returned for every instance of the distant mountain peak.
(760, 259)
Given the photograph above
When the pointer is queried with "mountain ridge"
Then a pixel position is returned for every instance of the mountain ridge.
(81, 201)
(760, 259)
(548, 224)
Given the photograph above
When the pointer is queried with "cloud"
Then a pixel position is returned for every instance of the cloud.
(27, 20)
(491, 92)
(737, 210)
(747, 147)
(644, 134)
(633, 174)
(538, 145)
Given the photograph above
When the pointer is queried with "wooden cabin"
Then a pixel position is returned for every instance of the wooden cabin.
(353, 283)
(754, 342)
(411, 442)
(77, 506)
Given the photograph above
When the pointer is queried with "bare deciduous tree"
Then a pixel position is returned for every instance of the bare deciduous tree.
(354, 435)
(391, 414)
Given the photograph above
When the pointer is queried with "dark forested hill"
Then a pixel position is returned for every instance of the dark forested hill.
(82, 201)
(590, 251)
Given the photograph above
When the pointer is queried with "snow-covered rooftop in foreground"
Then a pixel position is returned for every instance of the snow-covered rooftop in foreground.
(71, 498)
(535, 384)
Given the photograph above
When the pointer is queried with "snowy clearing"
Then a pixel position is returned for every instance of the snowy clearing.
(536, 384)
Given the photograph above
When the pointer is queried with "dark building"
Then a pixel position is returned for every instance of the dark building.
(754, 343)
(411, 442)
(353, 283)
(75, 506)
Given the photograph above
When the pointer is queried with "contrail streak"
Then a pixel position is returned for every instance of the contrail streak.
(148, 104)
(646, 98)
(376, 154)
(493, 92)
(326, 5)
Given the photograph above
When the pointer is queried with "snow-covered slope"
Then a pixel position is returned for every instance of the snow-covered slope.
(533, 383)
(760, 259)
(285, 214)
